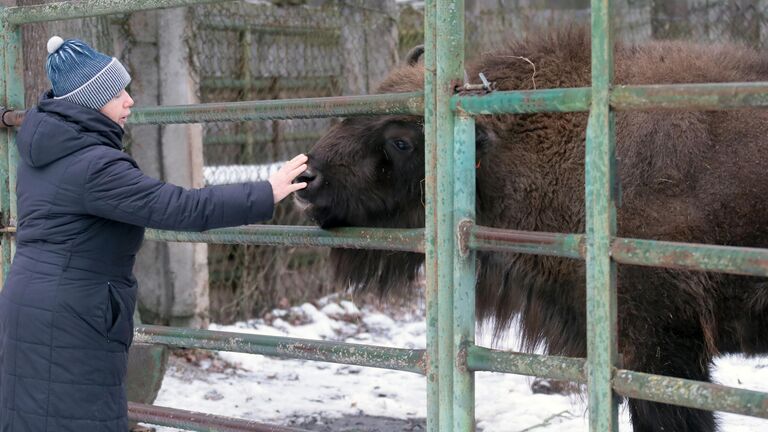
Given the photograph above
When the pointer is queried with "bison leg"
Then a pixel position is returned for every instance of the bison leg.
(683, 357)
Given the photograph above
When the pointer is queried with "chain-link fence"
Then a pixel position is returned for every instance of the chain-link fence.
(248, 51)
(255, 52)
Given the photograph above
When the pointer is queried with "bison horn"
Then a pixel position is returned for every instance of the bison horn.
(414, 55)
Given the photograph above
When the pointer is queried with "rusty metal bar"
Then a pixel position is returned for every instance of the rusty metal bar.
(700, 97)
(528, 242)
(14, 85)
(524, 102)
(723, 259)
(431, 291)
(409, 240)
(651, 253)
(449, 59)
(5, 143)
(337, 106)
(600, 211)
(408, 360)
(719, 96)
(693, 394)
(196, 421)
(88, 8)
(464, 271)
(12, 118)
(561, 368)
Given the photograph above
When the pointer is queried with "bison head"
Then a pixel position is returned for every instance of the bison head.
(369, 172)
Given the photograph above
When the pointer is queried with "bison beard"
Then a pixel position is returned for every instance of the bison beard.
(685, 176)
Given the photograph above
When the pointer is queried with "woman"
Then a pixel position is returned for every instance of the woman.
(67, 305)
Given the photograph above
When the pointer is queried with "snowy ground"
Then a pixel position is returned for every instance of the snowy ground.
(292, 392)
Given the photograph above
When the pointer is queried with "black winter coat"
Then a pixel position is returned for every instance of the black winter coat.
(67, 305)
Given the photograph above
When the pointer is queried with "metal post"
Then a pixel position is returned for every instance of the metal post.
(463, 273)
(14, 87)
(450, 65)
(601, 228)
(430, 200)
(5, 200)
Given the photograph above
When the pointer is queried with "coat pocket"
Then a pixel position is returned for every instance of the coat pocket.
(119, 316)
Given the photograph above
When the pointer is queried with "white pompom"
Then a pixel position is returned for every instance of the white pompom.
(54, 43)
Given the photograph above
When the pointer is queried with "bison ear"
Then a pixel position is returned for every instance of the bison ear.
(414, 55)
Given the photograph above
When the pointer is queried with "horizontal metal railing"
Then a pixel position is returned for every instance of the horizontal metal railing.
(527, 242)
(695, 97)
(409, 240)
(337, 106)
(627, 383)
(555, 367)
(408, 360)
(88, 8)
(688, 256)
(655, 253)
(693, 394)
(196, 421)
(689, 96)
(722, 96)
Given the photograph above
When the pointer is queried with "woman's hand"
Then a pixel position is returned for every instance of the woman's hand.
(281, 181)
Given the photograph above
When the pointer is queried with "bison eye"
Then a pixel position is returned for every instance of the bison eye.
(402, 145)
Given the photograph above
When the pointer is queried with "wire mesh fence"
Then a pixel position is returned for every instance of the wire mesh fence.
(257, 52)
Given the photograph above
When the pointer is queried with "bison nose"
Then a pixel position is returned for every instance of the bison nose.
(310, 176)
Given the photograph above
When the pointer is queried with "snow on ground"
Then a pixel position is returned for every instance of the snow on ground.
(293, 391)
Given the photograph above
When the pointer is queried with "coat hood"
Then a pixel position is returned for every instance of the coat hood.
(56, 128)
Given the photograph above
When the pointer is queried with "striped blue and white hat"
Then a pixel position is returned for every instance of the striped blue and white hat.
(82, 75)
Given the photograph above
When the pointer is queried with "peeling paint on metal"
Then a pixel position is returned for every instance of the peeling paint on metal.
(690, 393)
(409, 240)
(195, 421)
(88, 8)
(687, 256)
(409, 360)
(539, 243)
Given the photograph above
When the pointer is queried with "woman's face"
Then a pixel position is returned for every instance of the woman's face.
(119, 108)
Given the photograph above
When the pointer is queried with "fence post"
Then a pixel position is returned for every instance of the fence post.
(182, 149)
(601, 228)
(450, 69)
(430, 221)
(463, 273)
(12, 96)
(5, 199)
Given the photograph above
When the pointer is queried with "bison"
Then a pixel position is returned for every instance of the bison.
(685, 176)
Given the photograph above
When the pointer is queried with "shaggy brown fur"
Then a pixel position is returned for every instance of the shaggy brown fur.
(685, 176)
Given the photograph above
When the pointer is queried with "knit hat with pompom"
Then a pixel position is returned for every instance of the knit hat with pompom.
(82, 75)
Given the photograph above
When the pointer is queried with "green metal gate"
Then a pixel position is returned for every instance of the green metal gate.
(450, 237)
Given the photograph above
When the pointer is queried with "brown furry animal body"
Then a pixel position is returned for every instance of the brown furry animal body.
(685, 176)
